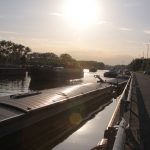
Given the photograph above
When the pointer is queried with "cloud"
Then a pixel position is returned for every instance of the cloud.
(125, 29)
(102, 22)
(2, 16)
(56, 14)
(8, 32)
(132, 4)
(147, 31)
(132, 42)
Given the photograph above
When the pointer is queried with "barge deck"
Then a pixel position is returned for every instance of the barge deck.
(20, 111)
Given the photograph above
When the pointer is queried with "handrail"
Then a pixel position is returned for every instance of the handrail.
(130, 91)
(110, 124)
(114, 137)
(119, 143)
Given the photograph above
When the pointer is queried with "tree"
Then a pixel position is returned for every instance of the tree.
(140, 64)
(67, 61)
(44, 59)
(12, 53)
(92, 64)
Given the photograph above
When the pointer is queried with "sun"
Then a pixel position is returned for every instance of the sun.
(81, 13)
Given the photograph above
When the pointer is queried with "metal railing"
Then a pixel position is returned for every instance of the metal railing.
(115, 133)
(119, 142)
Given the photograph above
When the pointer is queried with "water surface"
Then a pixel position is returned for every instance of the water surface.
(21, 84)
(91, 133)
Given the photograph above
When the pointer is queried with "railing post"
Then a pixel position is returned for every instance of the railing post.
(119, 143)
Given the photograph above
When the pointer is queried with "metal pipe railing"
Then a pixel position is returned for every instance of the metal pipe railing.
(121, 98)
(114, 138)
(120, 139)
(119, 143)
(130, 90)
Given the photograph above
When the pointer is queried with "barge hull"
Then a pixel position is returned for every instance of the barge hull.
(24, 119)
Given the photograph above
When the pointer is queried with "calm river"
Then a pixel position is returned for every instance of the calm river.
(13, 85)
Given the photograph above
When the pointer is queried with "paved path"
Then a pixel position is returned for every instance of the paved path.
(143, 97)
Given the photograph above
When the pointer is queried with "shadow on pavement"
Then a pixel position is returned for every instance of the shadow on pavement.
(144, 121)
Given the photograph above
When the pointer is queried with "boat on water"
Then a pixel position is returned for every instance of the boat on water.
(93, 69)
(110, 74)
(52, 73)
(31, 114)
(13, 71)
(22, 110)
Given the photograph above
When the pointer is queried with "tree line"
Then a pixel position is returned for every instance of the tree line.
(92, 64)
(18, 54)
(51, 59)
(140, 64)
(12, 53)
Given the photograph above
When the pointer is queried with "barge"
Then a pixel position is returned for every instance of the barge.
(9, 72)
(22, 110)
(110, 74)
(27, 115)
(56, 73)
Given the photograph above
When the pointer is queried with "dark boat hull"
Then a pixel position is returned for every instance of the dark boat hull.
(12, 72)
(52, 75)
(93, 70)
(18, 113)
(49, 132)
(110, 74)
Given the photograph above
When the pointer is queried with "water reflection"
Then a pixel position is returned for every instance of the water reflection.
(18, 84)
(88, 132)
(87, 77)
(91, 133)
(14, 84)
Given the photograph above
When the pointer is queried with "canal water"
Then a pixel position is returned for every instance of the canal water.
(91, 133)
(88, 135)
(13, 85)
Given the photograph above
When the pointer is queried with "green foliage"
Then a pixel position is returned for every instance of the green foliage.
(17, 54)
(68, 62)
(100, 65)
(11, 53)
(92, 64)
(50, 59)
(140, 65)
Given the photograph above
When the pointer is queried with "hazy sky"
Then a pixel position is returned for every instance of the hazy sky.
(112, 31)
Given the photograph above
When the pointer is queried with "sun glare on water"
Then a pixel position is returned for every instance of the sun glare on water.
(81, 13)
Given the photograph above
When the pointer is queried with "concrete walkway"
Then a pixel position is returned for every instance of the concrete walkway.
(133, 141)
(143, 101)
